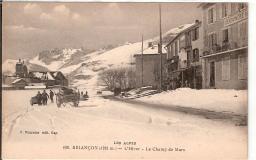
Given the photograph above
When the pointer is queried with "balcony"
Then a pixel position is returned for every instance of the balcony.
(173, 59)
(224, 48)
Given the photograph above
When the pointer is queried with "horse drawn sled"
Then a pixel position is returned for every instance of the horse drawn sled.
(67, 95)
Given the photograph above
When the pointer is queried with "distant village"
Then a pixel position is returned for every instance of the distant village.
(25, 79)
(210, 53)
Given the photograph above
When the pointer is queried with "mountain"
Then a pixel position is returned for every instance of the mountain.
(82, 66)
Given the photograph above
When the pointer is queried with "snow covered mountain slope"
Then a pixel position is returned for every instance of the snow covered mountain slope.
(59, 58)
(82, 66)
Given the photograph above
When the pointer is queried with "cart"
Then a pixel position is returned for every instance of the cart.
(67, 95)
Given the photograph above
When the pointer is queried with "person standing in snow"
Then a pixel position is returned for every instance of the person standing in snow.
(51, 95)
(45, 97)
(39, 98)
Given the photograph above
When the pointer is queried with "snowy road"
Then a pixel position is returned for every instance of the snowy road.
(102, 121)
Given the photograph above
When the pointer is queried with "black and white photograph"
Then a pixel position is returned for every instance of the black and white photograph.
(125, 80)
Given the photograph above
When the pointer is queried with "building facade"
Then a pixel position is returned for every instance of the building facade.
(21, 69)
(149, 75)
(224, 60)
(183, 58)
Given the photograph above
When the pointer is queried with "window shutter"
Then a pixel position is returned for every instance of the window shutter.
(226, 68)
(242, 67)
(221, 10)
(214, 38)
(229, 9)
(230, 34)
(214, 14)
(209, 16)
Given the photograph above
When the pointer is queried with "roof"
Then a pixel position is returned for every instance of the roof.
(204, 5)
(43, 75)
(182, 31)
(151, 50)
(157, 54)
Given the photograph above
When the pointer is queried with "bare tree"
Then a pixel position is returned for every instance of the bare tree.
(123, 78)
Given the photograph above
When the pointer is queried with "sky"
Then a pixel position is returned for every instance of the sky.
(29, 28)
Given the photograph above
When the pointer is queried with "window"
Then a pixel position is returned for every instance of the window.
(176, 48)
(234, 8)
(224, 10)
(172, 51)
(225, 35)
(169, 52)
(195, 34)
(212, 41)
(242, 67)
(182, 41)
(195, 55)
(226, 68)
(243, 30)
(241, 6)
(211, 15)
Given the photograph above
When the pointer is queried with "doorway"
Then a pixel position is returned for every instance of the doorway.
(212, 74)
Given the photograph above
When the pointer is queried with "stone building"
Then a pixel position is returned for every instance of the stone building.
(224, 60)
(21, 69)
(183, 57)
(151, 67)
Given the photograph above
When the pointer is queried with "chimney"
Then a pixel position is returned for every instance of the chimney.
(196, 21)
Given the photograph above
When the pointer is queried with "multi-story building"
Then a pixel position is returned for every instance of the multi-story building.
(21, 69)
(183, 58)
(224, 60)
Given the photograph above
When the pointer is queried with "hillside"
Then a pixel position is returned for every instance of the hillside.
(82, 66)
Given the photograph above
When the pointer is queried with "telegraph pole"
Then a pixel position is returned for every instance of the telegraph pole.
(142, 61)
(160, 45)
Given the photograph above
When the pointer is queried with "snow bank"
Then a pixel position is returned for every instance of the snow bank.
(211, 99)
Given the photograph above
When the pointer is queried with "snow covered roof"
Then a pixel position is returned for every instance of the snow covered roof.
(151, 50)
(49, 76)
(43, 75)
(177, 31)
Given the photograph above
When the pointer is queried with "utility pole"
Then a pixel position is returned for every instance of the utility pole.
(160, 45)
(142, 61)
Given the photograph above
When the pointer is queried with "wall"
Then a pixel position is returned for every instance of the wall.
(234, 37)
(233, 82)
(218, 27)
(151, 64)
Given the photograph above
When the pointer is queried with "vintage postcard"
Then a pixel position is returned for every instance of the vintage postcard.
(124, 80)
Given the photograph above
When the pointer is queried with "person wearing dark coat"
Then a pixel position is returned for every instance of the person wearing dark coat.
(51, 95)
(45, 97)
(39, 98)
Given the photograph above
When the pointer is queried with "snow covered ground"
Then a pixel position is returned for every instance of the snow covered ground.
(100, 121)
(220, 100)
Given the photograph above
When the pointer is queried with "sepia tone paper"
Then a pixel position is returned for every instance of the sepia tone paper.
(124, 80)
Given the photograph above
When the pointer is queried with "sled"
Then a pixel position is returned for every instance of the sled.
(67, 96)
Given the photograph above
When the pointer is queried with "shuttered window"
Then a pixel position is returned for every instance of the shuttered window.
(211, 16)
(176, 48)
(243, 30)
(226, 68)
(242, 67)
(224, 10)
(172, 50)
(212, 40)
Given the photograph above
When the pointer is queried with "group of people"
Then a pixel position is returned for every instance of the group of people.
(42, 98)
